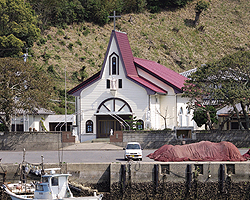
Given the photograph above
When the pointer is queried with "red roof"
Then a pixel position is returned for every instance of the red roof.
(126, 53)
(130, 63)
(161, 72)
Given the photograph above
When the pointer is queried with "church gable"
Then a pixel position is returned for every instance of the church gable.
(120, 65)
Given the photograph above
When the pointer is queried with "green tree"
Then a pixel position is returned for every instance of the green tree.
(23, 87)
(95, 11)
(133, 123)
(235, 76)
(201, 5)
(157, 5)
(18, 27)
(222, 83)
(201, 116)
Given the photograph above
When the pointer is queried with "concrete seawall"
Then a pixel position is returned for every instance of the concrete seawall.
(137, 172)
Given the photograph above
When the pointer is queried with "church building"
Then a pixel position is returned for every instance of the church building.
(129, 87)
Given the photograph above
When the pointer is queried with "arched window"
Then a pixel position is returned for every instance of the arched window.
(89, 126)
(114, 66)
(181, 111)
(140, 124)
(180, 116)
(188, 115)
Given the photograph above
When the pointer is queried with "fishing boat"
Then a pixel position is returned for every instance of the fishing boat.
(54, 186)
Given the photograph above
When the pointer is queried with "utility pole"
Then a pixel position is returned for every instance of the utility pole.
(65, 101)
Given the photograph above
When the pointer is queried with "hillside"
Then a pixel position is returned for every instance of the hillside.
(167, 37)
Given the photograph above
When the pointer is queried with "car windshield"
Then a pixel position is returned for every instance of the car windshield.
(133, 146)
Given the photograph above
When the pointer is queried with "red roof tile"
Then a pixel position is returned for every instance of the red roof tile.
(167, 75)
(148, 84)
(126, 53)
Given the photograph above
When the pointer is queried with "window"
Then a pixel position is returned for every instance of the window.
(45, 180)
(54, 181)
(120, 83)
(39, 187)
(140, 124)
(108, 84)
(114, 64)
(180, 116)
(89, 126)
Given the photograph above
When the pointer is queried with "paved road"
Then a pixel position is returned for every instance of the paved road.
(89, 153)
(90, 156)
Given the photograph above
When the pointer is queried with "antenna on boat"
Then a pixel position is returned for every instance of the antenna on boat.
(42, 171)
(23, 176)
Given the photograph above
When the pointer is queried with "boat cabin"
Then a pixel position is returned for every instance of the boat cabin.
(53, 186)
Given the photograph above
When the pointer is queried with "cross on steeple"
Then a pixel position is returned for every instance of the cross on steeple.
(114, 19)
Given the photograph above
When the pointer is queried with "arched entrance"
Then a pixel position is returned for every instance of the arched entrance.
(111, 115)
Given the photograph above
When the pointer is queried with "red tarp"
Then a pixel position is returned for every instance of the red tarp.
(247, 155)
(202, 151)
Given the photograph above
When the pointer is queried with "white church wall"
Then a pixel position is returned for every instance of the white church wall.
(168, 109)
(154, 109)
(156, 81)
(184, 114)
(94, 95)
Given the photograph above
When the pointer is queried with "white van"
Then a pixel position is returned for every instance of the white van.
(133, 151)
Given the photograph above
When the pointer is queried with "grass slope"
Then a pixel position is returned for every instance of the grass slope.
(167, 37)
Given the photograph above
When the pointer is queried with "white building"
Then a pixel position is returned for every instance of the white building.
(41, 120)
(127, 86)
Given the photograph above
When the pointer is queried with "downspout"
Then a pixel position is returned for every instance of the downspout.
(176, 111)
(78, 117)
(148, 114)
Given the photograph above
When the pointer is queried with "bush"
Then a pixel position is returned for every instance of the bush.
(2, 127)
(42, 41)
(78, 42)
(70, 46)
(156, 5)
(86, 31)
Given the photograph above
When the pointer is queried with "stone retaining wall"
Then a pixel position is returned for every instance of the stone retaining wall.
(17, 141)
(156, 139)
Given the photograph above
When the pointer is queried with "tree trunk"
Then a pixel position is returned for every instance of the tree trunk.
(197, 18)
(238, 117)
(7, 123)
(243, 106)
(209, 122)
(225, 121)
(165, 121)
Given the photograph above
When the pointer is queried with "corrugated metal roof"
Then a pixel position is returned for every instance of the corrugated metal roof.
(126, 53)
(148, 84)
(161, 72)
